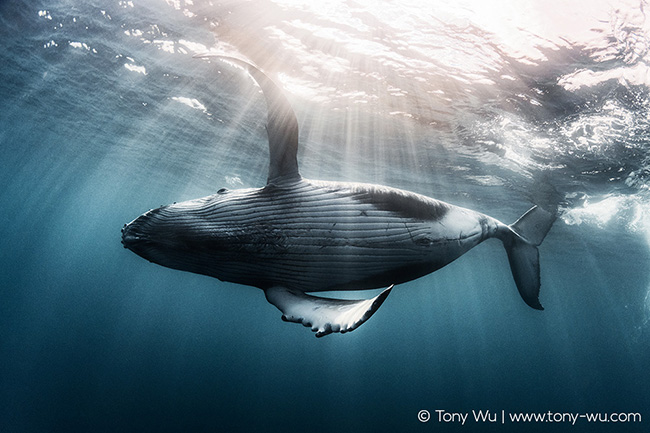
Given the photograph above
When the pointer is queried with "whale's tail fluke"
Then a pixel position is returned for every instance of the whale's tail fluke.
(528, 232)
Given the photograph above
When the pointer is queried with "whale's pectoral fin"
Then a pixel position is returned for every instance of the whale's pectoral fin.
(324, 315)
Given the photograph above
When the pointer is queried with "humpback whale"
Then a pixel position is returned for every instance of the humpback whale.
(296, 236)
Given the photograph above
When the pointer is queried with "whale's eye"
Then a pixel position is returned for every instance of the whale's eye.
(222, 191)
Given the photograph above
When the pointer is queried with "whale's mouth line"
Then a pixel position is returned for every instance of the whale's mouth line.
(129, 238)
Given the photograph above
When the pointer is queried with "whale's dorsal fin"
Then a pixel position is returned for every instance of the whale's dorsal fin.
(324, 315)
(281, 127)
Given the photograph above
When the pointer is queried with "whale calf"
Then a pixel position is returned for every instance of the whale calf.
(296, 236)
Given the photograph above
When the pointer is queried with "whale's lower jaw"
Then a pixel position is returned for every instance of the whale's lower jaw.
(309, 236)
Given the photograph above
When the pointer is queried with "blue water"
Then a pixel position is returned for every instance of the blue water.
(105, 114)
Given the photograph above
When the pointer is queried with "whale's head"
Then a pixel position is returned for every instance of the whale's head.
(151, 235)
(190, 236)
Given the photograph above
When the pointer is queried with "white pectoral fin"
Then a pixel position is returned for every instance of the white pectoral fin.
(324, 315)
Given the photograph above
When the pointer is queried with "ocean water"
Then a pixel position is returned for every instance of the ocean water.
(494, 106)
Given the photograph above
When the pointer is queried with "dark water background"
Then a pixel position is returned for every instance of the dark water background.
(490, 105)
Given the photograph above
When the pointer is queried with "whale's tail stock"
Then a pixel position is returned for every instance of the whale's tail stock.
(521, 243)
